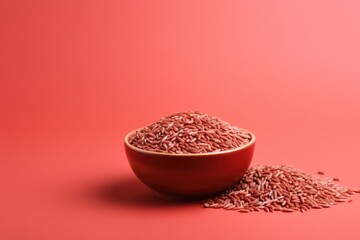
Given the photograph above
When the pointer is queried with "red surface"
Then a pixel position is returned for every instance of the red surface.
(76, 76)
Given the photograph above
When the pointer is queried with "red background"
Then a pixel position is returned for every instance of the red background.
(76, 76)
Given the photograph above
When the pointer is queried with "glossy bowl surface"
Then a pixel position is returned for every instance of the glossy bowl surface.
(190, 175)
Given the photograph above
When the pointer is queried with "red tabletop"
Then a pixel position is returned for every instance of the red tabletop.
(77, 76)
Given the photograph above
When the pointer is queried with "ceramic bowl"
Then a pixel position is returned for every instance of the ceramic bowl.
(190, 175)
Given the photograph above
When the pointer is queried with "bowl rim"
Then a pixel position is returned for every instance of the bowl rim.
(247, 145)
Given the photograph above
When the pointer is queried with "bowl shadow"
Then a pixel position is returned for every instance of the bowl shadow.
(131, 192)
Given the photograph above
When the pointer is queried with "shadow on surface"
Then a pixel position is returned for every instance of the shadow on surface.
(130, 191)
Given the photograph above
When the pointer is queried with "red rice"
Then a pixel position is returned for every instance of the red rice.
(189, 133)
(281, 188)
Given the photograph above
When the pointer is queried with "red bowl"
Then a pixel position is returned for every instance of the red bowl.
(190, 175)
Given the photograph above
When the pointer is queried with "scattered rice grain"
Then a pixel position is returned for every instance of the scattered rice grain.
(279, 188)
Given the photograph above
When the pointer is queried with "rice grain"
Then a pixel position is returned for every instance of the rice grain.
(189, 133)
(282, 188)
